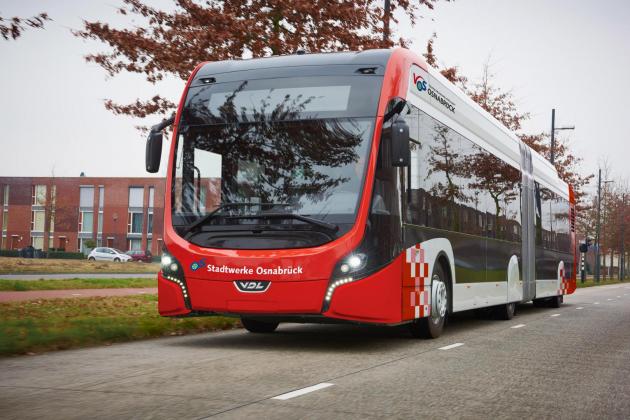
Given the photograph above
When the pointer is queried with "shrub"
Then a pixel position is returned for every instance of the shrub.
(66, 255)
(9, 253)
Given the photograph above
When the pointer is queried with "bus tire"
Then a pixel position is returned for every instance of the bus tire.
(433, 325)
(505, 312)
(556, 301)
(259, 327)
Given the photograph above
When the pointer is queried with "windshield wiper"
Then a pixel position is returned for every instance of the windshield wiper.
(203, 220)
(329, 227)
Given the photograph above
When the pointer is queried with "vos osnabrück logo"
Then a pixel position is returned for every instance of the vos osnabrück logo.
(420, 83)
(196, 265)
(252, 286)
(423, 85)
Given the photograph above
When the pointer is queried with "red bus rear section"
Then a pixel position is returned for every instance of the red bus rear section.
(328, 200)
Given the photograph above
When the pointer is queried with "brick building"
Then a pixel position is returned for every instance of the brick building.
(66, 212)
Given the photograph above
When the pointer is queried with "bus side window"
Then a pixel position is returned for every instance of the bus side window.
(413, 172)
(538, 214)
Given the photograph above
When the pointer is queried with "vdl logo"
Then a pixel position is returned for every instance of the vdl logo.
(196, 265)
(420, 83)
(252, 286)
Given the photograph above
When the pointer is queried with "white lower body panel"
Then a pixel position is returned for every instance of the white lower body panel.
(479, 295)
(546, 288)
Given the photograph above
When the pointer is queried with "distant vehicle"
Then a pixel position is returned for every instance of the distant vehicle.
(108, 254)
(141, 256)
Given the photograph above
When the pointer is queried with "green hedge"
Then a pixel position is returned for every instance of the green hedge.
(66, 255)
(51, 254)
(9, 253)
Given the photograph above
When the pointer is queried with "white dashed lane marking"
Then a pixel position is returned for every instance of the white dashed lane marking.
(302, 391)
(579, 307)
(76, 294)
(555, 315)
(518, 326)
(451, 346)
(595, 303)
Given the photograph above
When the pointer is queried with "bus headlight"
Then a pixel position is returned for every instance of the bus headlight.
(172, 271)
(353, 263)
(347, 270)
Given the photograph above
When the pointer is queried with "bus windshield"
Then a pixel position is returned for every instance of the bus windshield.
(272, 165)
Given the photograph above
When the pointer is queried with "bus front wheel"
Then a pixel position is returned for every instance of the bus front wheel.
(433, 325)
(261, 327)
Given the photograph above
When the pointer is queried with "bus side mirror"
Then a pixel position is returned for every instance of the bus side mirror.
(154, 151)
(401, 153)
(583, 247)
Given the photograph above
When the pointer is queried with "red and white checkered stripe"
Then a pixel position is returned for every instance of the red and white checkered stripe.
(417, 301)
(564, 284)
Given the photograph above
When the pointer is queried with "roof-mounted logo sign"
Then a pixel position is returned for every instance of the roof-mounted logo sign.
(427, 88)
(420, 83)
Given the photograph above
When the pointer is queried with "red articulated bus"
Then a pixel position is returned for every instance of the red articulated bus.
(353, 187)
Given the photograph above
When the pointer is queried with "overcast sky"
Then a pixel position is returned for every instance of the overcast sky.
(569, 54)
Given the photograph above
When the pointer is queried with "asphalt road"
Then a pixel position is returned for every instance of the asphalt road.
(572, 362)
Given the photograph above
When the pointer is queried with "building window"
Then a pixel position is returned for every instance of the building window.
(135, 222)
(101, 197)
(52, 208)
(37, 242)
(136, 197)
(150, 223)
(39, 195)
(100, 222)
(6, 196)
(134, 244)
(86, 221)
(86, 197)
(151, 196)
(38, 218)
(5, 221)
(81, 245)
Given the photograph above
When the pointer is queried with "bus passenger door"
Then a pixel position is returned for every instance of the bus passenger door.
(528, 212)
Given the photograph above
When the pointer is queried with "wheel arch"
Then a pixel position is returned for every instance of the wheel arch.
(444, 262)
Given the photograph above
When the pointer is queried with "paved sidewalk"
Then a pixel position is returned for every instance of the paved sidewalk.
(69, 276)
(73, 293)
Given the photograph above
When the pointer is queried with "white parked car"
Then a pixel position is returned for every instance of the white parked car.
(108, 254)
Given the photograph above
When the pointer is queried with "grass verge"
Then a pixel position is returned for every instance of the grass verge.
(10, 265)
(56, 324)
(25, 285)
(592, 282)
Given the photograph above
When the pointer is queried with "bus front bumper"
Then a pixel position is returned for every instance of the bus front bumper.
(374, 300)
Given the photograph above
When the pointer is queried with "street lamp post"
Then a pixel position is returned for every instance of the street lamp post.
(552, 153)
(599, 209)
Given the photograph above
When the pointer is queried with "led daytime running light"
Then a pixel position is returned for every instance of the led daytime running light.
(180, 283)
(334, 285)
